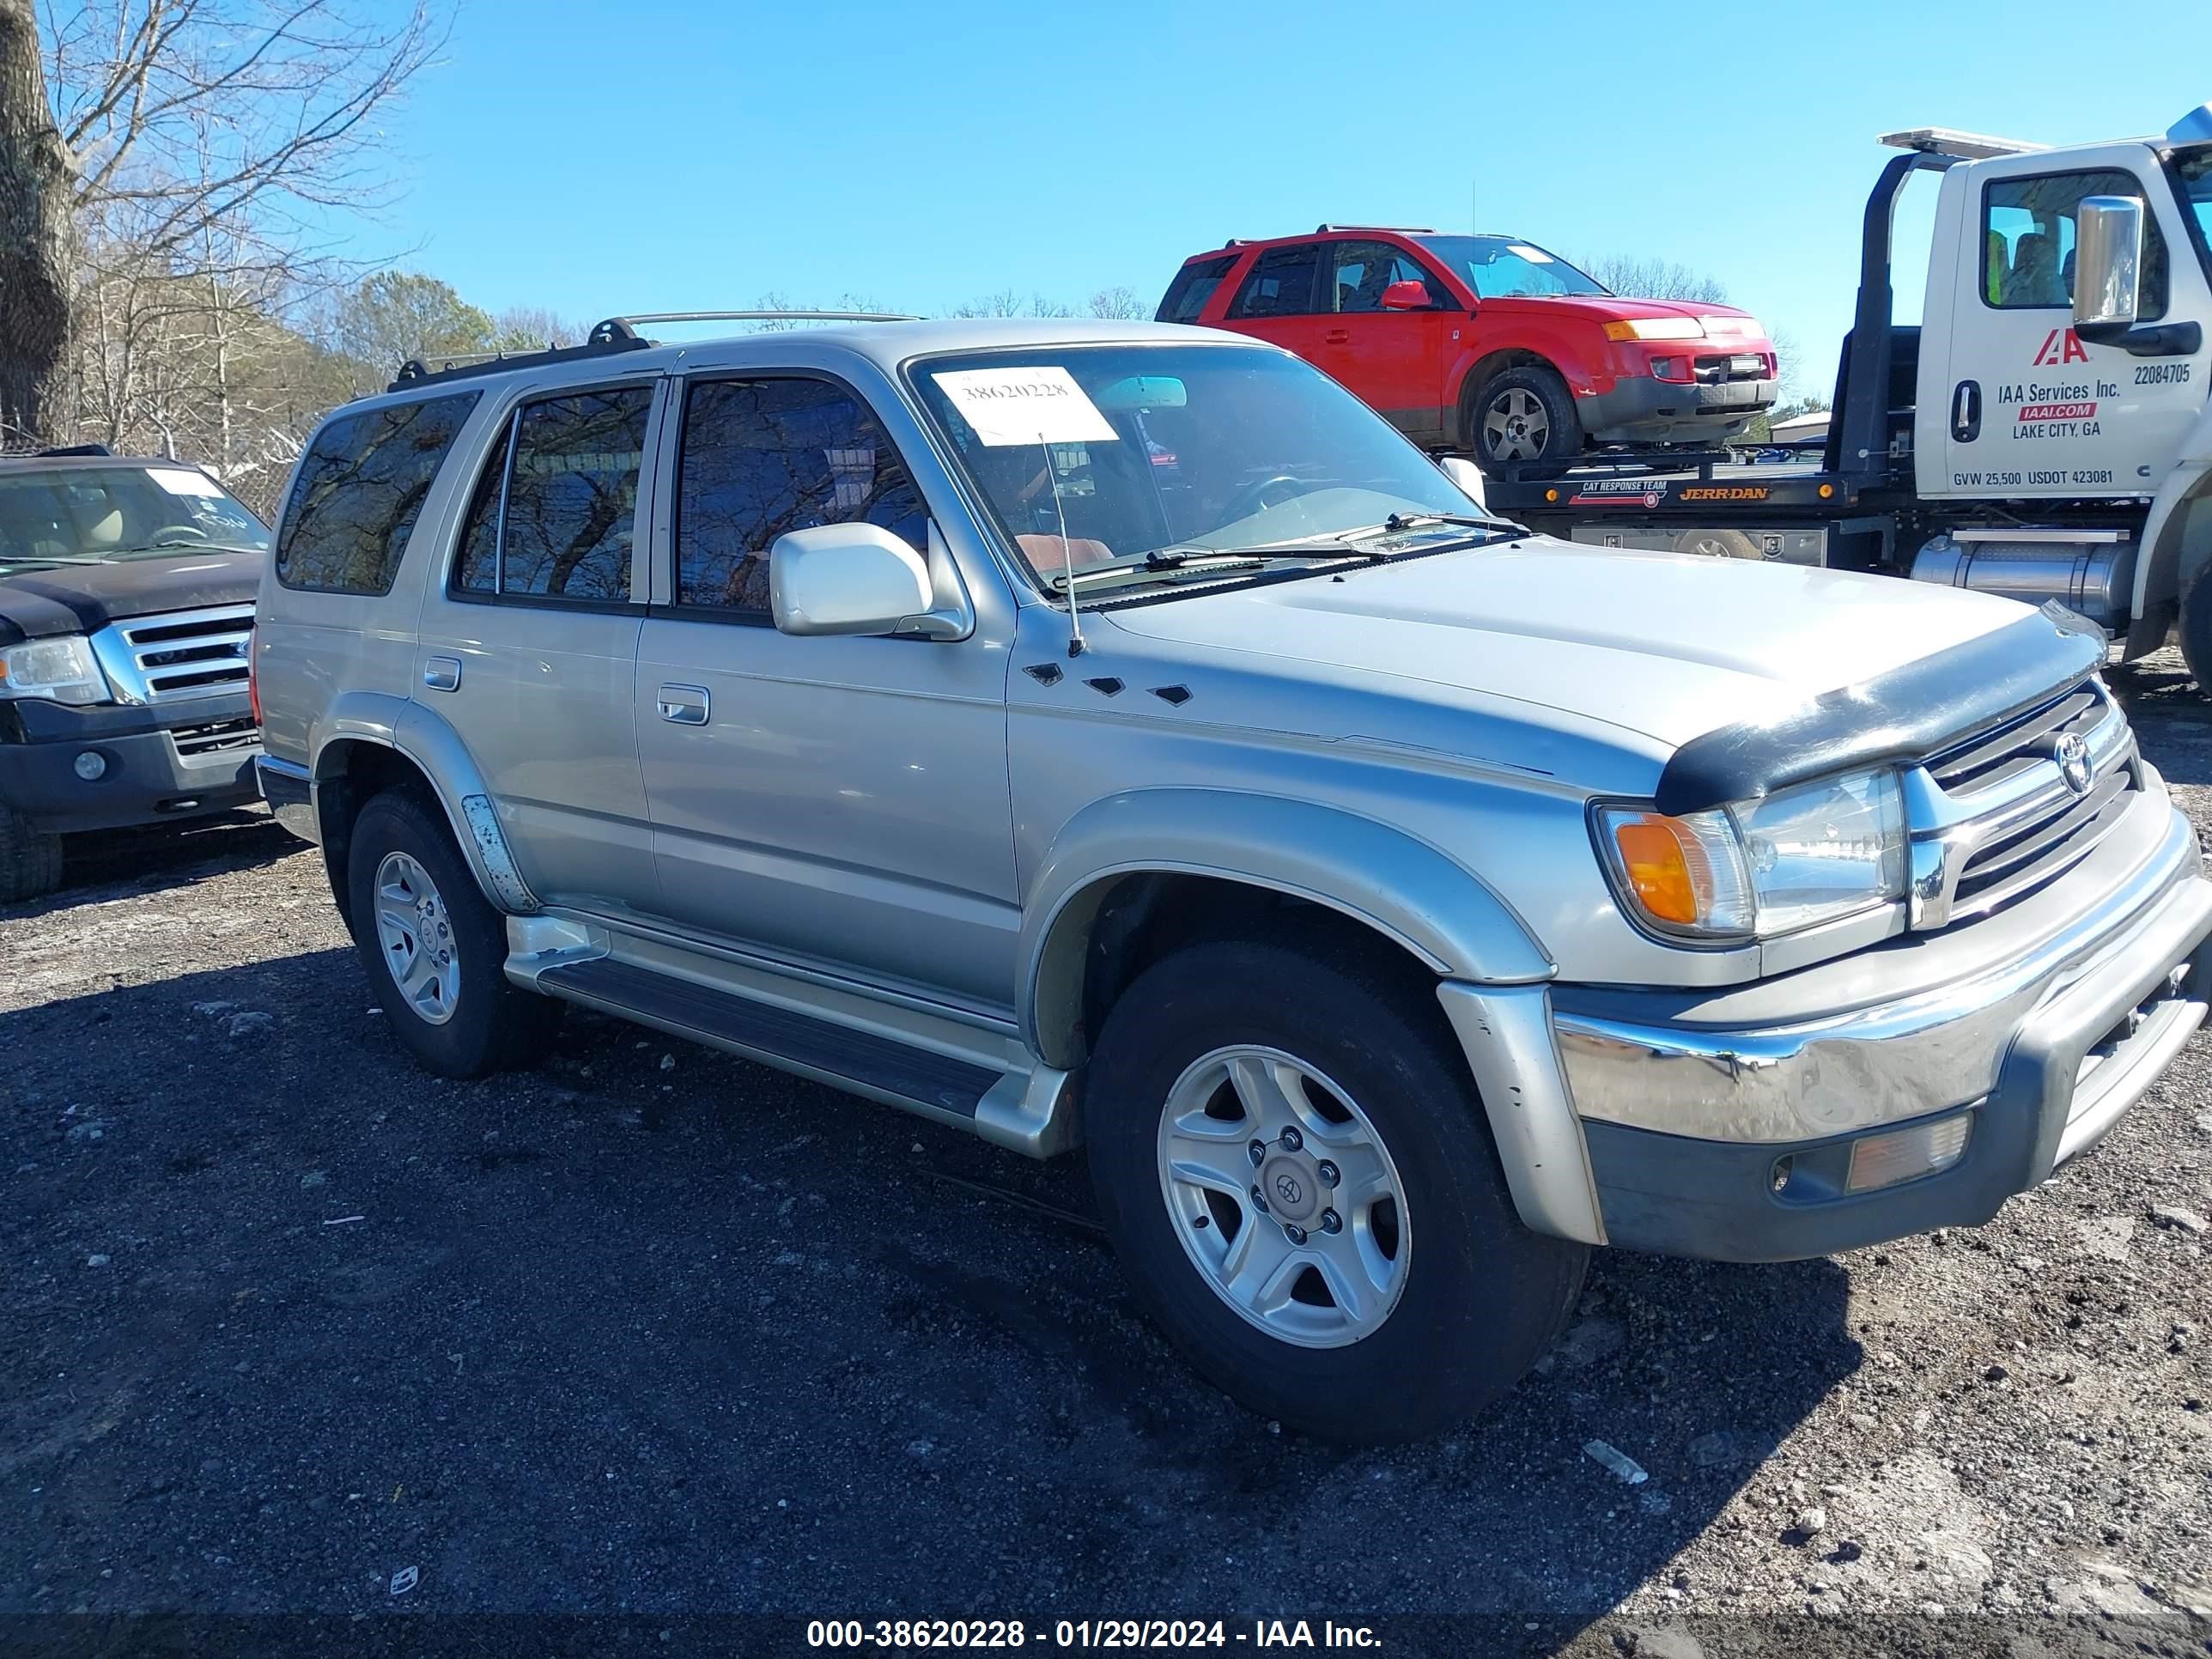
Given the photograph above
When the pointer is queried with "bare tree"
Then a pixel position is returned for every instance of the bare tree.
(1638, 278)
(38, 254)
(1121, 301)
(187, 149)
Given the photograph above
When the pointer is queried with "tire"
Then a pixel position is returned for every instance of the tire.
(1501, 424)
(434, 947)
(2197, 631)
(30, 860)
(1466, 1299)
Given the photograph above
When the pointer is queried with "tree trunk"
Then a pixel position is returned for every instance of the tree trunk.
(37, 246)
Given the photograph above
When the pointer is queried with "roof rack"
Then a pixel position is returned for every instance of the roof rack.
(614, 324)
(1406, 230)
(610, 335)
(72, 449)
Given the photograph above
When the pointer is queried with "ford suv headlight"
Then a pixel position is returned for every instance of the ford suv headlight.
(1794, 860)
(61, 669)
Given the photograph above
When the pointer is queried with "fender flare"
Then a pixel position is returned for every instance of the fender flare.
(2164, 567)
(1405, 889)
(437, 751)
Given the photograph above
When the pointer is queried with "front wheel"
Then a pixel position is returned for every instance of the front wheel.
(1293, 1167)
(30, 860)
(1523, 422)
(2197, 630)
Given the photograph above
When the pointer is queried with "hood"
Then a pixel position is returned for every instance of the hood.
(80, 599)
(1669, 646)
(1617, 308)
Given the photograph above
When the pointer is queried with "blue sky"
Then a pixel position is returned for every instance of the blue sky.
(666, 154)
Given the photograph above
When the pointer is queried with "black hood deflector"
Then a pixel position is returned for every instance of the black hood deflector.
(1905, 715)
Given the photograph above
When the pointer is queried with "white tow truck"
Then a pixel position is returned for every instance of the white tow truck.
(2042, 434)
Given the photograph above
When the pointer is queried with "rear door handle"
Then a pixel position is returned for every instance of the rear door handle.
(684, 705)
(442, 673)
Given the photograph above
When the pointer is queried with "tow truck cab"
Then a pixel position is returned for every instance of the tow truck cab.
(2042, 434)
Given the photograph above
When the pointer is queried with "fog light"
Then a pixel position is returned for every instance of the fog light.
(91, 767)
(1905, 1154)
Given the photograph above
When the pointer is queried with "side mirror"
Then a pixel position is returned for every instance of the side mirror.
(2108, 267)
(1468, 476)
(845, 579)
(1408, 295)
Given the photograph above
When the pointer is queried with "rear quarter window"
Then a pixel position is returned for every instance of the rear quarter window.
(1192, 287)
(360, 489)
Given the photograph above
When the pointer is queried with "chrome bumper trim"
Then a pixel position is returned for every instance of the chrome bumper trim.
(1824, 1076)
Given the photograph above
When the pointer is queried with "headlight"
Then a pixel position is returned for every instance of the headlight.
(1656, 328)
(1747, 326)
(1794, 860)
(61, 669)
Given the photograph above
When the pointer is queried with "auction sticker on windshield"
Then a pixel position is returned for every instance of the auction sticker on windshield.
(183, 481)
(1040, 405)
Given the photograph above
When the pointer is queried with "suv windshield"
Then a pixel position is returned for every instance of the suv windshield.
(70, 514)
(1178, 451)
(1497, 268)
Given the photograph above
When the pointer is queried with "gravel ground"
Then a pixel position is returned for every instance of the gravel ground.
(286, 1326)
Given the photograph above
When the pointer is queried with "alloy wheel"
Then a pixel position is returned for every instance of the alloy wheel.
(1284, 1196)
(417, 937)
(1515, 425)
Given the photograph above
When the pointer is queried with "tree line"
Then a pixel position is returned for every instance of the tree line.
(169, 170)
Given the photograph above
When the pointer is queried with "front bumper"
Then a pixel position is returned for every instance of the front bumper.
(1639, 410)
(174, 761)
(1732, 1141)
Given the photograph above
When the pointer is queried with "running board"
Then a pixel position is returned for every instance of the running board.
(1023, 1110)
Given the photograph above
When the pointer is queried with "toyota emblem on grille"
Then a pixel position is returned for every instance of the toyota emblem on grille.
(2073, 757)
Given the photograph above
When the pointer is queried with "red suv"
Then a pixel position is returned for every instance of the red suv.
(1485, 344)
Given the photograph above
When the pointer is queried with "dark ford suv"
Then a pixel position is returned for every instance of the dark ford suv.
(126, 616)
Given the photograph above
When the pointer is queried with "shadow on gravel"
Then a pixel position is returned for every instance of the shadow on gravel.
(113, 863)
(652, 1328)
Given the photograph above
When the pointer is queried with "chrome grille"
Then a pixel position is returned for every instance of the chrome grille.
(1995, 817)
(178, 654)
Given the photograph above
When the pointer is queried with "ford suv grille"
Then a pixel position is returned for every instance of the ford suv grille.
(178, 654)
(1995, 817)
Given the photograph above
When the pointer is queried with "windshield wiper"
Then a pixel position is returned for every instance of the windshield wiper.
(1398, 521)
(1202, 559)
(33, 560)
(186, 546)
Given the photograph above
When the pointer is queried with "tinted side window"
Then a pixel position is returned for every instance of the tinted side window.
(1192, 287)
(571, 501)
(359, 491)
(1364, 270)
(1281, 283)
(762, 457)
(2027, 240)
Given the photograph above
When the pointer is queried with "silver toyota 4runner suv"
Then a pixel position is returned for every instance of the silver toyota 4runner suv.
(1116, 735)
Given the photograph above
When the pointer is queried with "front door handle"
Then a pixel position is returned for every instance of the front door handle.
(441, 673)
(1967, 412)
(1337, 337)
(684, 705)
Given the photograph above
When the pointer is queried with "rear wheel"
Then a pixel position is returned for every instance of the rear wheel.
(436, 948)
(1294, 1168)
(30, 860)
(1523, 421)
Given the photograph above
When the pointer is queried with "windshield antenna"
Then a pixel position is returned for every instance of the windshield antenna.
(1066, 550)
